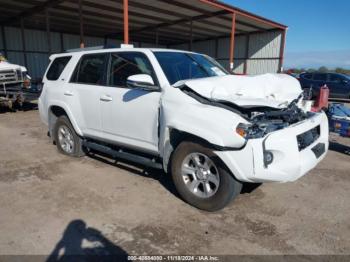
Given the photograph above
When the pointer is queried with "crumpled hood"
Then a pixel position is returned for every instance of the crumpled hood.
(272, 90)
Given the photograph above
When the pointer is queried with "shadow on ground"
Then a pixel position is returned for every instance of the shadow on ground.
(340, 148)
(25, 107)
(82, 243)
(157, 174)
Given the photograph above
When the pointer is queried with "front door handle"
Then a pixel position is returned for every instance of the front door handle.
(106, 98)
(68, 93)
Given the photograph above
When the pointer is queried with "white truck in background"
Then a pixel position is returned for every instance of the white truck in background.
(14, 79)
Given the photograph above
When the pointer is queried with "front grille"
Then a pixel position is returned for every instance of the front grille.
(307, 138)
(8, 76)
(19, 75)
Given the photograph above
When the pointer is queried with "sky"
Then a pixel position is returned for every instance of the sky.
(319, 30)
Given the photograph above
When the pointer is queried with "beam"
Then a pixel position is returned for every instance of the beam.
(81, 24)
(245, 69)
(3, 36)
(227, 36)
(157, 38)
(177, 22)
(24, 43)
(48, 34)
(191, 36)
(232, 41)
(241, 12)
(126, 21)
(282, 47)
(31, 11)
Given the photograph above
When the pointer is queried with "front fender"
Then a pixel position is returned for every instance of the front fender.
(61, 104)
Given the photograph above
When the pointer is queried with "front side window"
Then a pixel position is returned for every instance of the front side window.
(183, 66)
(90, 70)
(125, 64)
(57, 68)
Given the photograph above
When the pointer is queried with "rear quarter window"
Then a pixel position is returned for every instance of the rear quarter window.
(57, 67)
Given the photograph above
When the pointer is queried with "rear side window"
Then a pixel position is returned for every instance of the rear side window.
(307, 76)
(90, 70)
(320, 77)
(57, 67)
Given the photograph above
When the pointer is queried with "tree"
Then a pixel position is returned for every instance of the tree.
(323, 69)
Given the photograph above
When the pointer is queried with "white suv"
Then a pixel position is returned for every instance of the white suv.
(181, 111)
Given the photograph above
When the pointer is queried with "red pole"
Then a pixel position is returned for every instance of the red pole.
(81, 23)
(126, 22)
(232, 42)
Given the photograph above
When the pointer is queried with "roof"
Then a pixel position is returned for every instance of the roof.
(80, 51)
(166, 20)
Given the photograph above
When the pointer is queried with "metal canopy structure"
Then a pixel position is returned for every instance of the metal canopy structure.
(161, 22)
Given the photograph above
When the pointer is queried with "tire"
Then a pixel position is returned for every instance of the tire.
(67, 140)
(223, 186)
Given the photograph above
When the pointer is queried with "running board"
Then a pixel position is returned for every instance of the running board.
(123, 155)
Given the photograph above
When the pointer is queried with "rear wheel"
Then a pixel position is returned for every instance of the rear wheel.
(201, 178)
(67, 141)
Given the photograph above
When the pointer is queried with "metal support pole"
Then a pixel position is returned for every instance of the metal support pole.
(81, 23)
(62, 42)
(48, 34)
(3, 36)
(126, 21)
(190, 47)
(283, 45)
(232, 41)
(245, 70)
(157, 38)
(216, 48)
(24, 43)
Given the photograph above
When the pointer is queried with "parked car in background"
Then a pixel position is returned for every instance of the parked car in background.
(13, 81)
(338, 84)
(184, 113)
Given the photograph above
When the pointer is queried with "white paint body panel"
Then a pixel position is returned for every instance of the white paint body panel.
(273, 90)
(143, 120)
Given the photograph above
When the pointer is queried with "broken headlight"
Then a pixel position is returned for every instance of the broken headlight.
(260, 129)
(249, 131)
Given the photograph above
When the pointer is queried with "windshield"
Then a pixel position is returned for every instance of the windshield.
(182, 66)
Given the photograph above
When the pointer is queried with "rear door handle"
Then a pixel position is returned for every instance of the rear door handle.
(68, 93)
(106, 98)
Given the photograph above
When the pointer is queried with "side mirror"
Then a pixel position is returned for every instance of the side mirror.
(141, 81)
(345, 82)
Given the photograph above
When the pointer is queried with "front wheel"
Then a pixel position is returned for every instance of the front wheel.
(67, 140)
(201, 178)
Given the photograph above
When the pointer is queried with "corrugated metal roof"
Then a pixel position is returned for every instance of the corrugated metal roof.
(105, 18)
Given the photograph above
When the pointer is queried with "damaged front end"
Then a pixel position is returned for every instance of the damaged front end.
(265, 120)
(260, 120)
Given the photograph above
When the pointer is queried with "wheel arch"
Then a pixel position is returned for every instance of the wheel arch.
(176, 136)
(57, 110)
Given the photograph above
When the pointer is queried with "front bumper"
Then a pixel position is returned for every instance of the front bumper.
(289, 163)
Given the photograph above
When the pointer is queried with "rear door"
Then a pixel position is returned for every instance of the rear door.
(83, 93)
(130, 116)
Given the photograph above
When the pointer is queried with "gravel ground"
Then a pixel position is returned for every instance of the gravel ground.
(50, 202)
